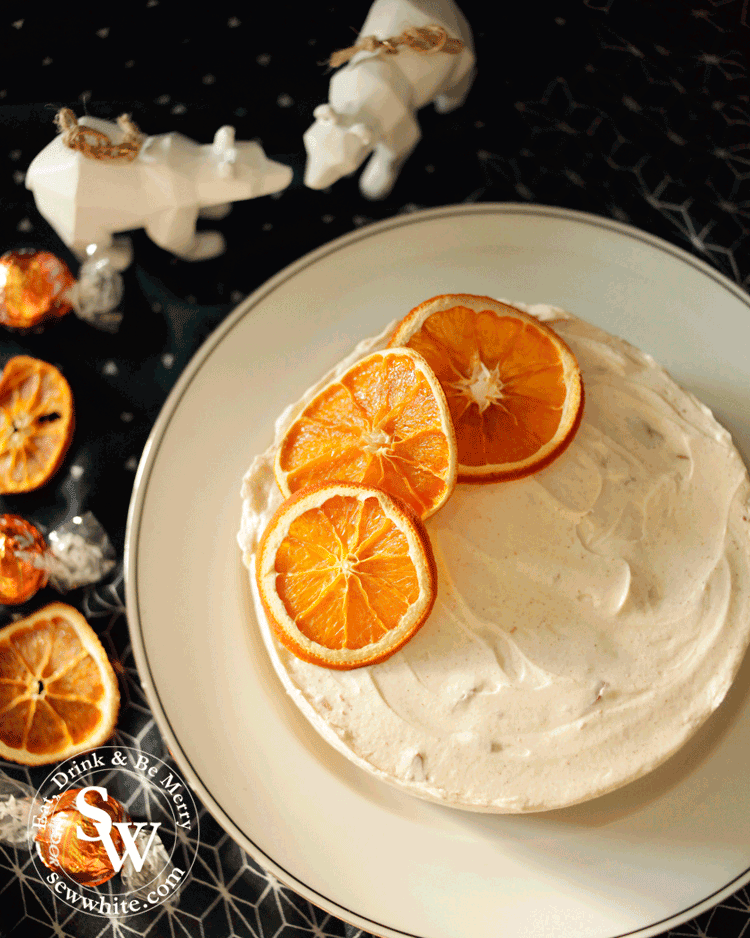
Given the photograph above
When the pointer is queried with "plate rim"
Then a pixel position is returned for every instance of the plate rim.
(149, 457)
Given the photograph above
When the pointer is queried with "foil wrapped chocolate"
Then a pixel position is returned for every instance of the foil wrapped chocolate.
(22, 548)
(36, 288)
(77, 553)
(68, 840)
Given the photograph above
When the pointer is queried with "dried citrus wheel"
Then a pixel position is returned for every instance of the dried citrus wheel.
(346, 574)
(513, 386)
(384, 422)
(58, 692)
(36, 423)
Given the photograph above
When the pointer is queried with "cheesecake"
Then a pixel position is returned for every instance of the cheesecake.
(589, 618)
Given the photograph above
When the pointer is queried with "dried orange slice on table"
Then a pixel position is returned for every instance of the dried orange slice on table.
(346, 575)
(384, 422)
(513, 386)
(58, 692)
(36, 423)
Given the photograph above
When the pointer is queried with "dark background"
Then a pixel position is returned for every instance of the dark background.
(634, 111)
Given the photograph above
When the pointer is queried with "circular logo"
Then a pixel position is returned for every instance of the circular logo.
(114, 831)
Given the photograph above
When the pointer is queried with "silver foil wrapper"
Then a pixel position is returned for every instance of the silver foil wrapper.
(80, 553)
(98, 293)
(156, 866)
(16, 803)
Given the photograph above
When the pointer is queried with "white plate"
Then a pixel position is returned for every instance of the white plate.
(635, 862)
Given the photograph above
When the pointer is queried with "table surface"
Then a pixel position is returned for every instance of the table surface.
(606, 106)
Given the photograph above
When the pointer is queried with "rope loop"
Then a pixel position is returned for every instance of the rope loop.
(423, 39)
(95, 144)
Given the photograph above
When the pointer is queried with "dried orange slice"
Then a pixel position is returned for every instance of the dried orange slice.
(58, 692)
(513, 386)
(36, 423)
(346, 574)
(384, 422)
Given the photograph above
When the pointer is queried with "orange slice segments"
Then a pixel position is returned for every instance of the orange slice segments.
(346, 575)
(513, 386)
(36, 423)
(384, 422)
(58, 692)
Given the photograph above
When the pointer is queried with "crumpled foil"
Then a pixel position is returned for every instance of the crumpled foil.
(16, 803)
(97, 294)
(156, 866)
(79, 552)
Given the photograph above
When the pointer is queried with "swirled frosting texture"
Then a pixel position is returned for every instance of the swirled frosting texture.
(589, 618)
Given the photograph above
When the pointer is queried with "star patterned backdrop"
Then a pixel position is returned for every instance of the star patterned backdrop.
(626, 109)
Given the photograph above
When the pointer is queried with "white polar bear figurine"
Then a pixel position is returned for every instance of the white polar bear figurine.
(373, 99)
(164, 189)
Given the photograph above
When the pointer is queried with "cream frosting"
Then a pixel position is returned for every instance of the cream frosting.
(589, 618)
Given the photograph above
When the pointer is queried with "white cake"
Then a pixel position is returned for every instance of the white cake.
(589, 618)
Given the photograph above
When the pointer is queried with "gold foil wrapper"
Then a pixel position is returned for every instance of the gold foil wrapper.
(34, 288)
(60, 847)
(21, 550)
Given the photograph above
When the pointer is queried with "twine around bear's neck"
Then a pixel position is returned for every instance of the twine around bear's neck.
(95, 144)
(424, 39)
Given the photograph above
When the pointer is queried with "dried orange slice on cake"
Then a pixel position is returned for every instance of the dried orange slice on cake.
(36, 423)
(384, 422)
(58, 692)
(346, 575)
(513, 386)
